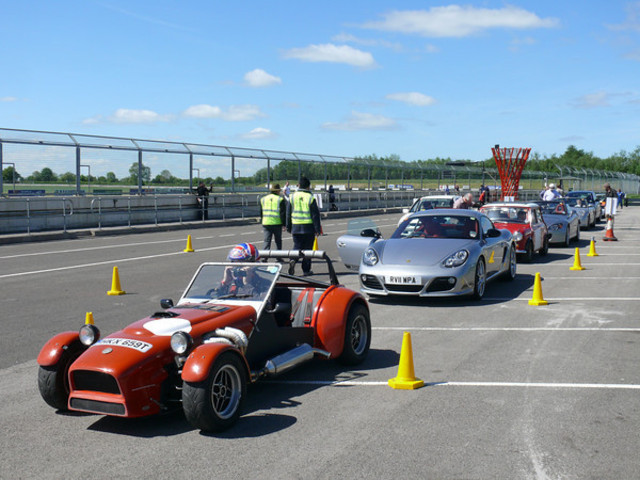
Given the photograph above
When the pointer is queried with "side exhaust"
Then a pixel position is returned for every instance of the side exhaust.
(292, 358)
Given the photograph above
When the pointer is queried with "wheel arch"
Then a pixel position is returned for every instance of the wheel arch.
(52, 351)
(199, 362)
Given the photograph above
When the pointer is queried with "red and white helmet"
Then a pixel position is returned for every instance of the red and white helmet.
(244, 252)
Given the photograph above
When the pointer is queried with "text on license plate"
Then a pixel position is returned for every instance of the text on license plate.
(402, 279)
(126, 342)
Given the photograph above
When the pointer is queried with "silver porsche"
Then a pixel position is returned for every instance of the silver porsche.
(433, 253)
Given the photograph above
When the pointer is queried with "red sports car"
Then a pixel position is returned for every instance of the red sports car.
(203, 351)
(525, 223)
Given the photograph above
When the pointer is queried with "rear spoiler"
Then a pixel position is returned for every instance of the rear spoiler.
(299, 255)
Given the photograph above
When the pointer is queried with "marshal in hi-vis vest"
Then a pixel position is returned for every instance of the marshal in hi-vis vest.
(301, 208)
(271, 209)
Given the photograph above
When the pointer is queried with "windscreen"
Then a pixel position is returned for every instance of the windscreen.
(439, 226)
(578, 202)
(507, 214)
(232, 281)
(432, 202)
(553, 208)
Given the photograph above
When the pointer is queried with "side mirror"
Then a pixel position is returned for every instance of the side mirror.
(370, 232)
(405, 210)
(166, 303)
(493, 233)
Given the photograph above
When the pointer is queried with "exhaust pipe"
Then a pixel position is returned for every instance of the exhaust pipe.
(290, 359)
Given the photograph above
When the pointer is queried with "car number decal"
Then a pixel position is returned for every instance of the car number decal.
(402, 279)
(126, 342)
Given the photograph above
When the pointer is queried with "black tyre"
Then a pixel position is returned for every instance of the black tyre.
(567, 238)
(510, 274)
(215, 404)
(528, 252)
(577, 238)
(480, 281)
(357, 336)
(545, 247)
(53, 382)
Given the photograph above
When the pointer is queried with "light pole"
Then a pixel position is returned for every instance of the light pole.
(88, 177)
(196, 170)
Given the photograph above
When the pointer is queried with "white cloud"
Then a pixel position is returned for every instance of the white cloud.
(367, 42)
(632, 22)
(258, 134)
(235, 113)
(592, 100)
(259, 78)
(363, 121)
(458, 21)
(8, 99)
(412, 98)
(125, 115)
(333, 54)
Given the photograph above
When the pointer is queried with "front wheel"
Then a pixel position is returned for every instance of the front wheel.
(215, 404)
(480, 280)
(357, 336)
(53, 381)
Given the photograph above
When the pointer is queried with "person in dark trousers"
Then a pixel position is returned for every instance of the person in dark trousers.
(303, 222)
(202, 194)
(332, 199)
(273, 216)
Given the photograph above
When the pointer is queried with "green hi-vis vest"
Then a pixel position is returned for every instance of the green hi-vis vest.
(301, 208)
(271, 209)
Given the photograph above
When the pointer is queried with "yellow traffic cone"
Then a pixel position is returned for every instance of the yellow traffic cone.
(89, 318)
(592, 248)
(315, 243)
(116, 289)
(406, 379)
(491, 260)
(537, 293)
(576, 261)
(189, 248)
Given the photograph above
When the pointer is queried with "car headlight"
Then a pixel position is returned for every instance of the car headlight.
(517, 236)
(456, 259)
(89, 334)
(554, 227)
(181, 342)
(370, 257)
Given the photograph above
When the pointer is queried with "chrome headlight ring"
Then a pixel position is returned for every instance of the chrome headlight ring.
(456, 259)
(88, 335)
(181, 342)
(370, 257)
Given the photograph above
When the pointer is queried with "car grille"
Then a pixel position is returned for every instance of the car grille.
(371, 281)
(97, 406)
(440, 284)
(95, 381)
(403, 288)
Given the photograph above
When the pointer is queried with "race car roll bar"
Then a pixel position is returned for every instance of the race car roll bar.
(299, 255)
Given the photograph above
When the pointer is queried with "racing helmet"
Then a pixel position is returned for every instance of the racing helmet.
(243, 252)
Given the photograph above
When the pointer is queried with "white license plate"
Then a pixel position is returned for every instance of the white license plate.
(402, 280)
(125, 342)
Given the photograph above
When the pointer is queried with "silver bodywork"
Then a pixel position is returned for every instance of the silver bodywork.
(585, 211)
(591, 198)
(563, 227)
(414, 266)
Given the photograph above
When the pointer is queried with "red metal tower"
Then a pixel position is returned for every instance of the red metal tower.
(510, 162)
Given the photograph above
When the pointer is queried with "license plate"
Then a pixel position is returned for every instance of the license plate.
(402, 280)
(125, 342)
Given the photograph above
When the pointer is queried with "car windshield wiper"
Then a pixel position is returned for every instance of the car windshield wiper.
(235, 295)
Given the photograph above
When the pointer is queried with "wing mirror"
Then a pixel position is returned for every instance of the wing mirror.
(166, 303)
(405, 210)
(370, 232)
(493, 233)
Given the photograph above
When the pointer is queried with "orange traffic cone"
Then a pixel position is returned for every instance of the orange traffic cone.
(116, 289)
(406, 378)
(189, 245)
(592, 248)
(576, 261)
(537, 293)
(609, 236)
(88, 320)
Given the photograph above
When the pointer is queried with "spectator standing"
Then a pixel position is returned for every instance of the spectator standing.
(303, 222)
(621, 198)
(483, 195)
(332, 198)
(551, 193)
(465, 202)
(273, 213)
(287, 191)
(202, 194)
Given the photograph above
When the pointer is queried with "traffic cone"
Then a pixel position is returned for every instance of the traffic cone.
(537, 299)
(89, 318)
(576, 261)
(406, 378)
(592, 248)
(116, 289)
(189, 248)
(491, 260)
(609, 236)
(315, 244)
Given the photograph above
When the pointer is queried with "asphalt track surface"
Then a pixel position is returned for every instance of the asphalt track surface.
(513, 391)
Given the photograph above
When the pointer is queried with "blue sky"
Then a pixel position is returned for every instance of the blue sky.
(412, 78)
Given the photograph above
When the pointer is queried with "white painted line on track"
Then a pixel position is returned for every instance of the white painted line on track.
(338, 383)
(509, 329)
(565, 265)
(607, 278)
(568, 299)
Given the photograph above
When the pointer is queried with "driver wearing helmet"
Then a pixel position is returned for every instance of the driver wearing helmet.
(242, 281)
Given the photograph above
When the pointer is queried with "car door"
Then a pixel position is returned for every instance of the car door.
(491, 247)
(538, 227)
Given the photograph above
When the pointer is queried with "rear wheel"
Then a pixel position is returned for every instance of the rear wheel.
(545, 246)
(480, 280)
(357, 336)
(53, 381)
(528, 252)
(510, 274)
(567, 238)
(215, 404)
(577, 239)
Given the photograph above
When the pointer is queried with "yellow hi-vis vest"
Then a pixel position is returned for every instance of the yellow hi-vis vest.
(301, 208)
(271, 209)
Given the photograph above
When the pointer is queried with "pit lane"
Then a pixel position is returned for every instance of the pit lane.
(513, 391)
